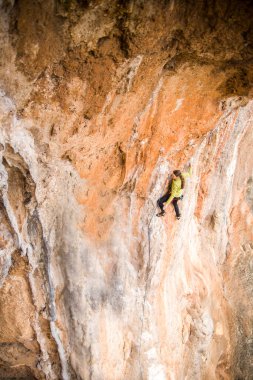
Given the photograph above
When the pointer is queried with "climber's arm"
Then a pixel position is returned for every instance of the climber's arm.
(188, 173)
(172, 195)
(170, 199)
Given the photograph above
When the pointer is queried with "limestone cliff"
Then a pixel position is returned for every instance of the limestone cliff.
(99, 102)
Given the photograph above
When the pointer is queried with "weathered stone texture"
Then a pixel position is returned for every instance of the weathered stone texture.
(99, 101)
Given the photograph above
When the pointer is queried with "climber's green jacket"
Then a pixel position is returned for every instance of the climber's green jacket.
(176, 190)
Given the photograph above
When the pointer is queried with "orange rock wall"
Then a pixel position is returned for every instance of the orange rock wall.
(98, 105)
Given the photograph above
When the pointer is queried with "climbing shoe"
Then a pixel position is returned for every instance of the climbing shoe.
(162, 213)
(178, 217)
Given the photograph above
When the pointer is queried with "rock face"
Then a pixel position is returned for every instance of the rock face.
(99, 102)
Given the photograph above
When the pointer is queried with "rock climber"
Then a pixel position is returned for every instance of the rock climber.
(174, 192)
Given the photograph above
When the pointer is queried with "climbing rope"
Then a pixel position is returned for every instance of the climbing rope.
(147, 272)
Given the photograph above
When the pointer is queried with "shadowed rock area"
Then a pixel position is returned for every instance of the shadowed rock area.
(99, 102)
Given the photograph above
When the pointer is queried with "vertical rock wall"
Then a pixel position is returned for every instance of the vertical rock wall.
(98, 104)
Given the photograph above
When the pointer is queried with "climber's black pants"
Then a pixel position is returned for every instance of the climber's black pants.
(175, 200)
(164, 199)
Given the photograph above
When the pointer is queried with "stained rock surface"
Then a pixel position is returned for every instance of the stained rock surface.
(99, 102)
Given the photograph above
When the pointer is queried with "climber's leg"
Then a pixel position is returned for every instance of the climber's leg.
(160, 203)
(175, 200)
